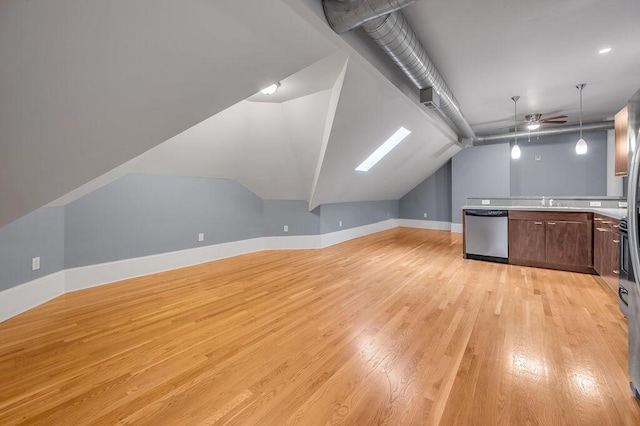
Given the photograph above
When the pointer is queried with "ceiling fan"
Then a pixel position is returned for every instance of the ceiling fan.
(533, 121)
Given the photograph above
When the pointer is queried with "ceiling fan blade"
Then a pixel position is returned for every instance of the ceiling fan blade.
(554, 121)
(554, 118)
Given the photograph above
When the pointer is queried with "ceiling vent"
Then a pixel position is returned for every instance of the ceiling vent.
(430, 98)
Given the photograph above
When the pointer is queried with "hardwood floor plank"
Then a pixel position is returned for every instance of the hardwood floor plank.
(392, 328)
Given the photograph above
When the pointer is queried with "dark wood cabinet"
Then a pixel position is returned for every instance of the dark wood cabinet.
(600, 236)
(555, 240)
(527, 240)
(566, 242)
(606, 246)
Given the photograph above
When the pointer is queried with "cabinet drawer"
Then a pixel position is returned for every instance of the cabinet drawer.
(608, 223)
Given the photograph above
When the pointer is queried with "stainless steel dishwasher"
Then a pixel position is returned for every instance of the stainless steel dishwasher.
(486, 235)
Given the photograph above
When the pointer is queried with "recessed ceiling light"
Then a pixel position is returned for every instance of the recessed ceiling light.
(271, 89)
(605, 50)
(383, 149)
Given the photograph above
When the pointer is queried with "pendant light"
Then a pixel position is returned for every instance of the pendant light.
(515, 151)
(581, 146)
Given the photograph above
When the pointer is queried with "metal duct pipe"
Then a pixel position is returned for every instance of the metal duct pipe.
(601, 125)
(384, 23)
(345, 15)
(393, 34)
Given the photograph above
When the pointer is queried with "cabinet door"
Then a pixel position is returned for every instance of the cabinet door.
(600, 245)
(526, 240)
(621, 143)
(567, 243)
(607, 262)
(614, 259)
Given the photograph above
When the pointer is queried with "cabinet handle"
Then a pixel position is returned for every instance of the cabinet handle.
(616, 226)
(597, 218)
(551, 223)
(617, 272)
(538, 223)
(607, 222)
(600, 229)
(616, 241)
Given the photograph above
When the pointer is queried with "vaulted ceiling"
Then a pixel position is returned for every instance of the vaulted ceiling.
(92, 90)
(305, 141)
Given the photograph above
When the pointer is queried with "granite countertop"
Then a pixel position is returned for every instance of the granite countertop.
(558, 197)
(609, 212)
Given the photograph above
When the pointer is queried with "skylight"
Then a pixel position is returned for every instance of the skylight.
(384, 149)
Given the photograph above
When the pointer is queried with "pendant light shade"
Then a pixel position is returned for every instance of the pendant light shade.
(581, 146)
(515, 151)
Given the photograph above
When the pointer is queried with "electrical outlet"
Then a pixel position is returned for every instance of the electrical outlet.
(286, 228)
(340, 223)
(486, 202)
(35, 263)
(538, 158)
(201, 236)
(622, 204)
(595, 204)
(425, 214)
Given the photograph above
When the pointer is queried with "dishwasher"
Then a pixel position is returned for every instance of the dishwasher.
(486, 235)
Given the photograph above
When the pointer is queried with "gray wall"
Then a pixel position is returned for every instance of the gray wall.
(432, 196)
(479, 171)
(560, 171)
(38, 234)
(139, 215)
(293, 213)
(355, 214)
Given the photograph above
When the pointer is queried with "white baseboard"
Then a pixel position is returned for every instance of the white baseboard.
(338, 237)
(23, 297)
(456, 227)
(424, 224)
(293, 242)
(29, 295)
(105, 273)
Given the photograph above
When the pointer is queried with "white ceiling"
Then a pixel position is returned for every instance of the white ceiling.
(489, 51)
(88, 89)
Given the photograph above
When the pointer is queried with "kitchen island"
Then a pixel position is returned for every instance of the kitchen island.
(577, 238)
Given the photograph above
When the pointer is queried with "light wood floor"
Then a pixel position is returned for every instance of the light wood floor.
(393, 328)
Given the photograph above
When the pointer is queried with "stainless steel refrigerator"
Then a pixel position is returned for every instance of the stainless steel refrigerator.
(633, 311)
